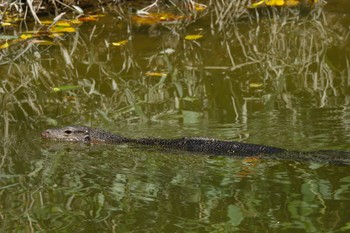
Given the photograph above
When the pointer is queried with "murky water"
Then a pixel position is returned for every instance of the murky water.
(280, 79)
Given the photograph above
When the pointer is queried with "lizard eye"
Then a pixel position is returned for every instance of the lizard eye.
(86, 139)
(68, 131)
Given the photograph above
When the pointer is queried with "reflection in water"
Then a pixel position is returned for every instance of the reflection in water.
(107, 188)
(280, 79)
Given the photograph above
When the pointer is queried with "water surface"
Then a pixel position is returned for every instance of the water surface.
(280, 79)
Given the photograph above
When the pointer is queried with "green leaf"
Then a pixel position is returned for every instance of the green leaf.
(7, 37)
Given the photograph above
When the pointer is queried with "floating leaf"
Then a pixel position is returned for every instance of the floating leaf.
(156, 74)
(4, 24)
(88, 19)
(62, 29)
(193, 37)
(75, 21)
(274, 2)
(47, 22)
(64, 23)
(13, 20)
(154, 18)
(120, 43)
(26, 36)
(293, 2)
(98, 15)
(279, 3)
(4, 46)
(65, 88)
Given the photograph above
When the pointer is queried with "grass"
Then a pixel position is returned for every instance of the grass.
(247, 55)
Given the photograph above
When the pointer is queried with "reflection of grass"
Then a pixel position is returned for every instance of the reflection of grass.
(276, 50)
(241, 57)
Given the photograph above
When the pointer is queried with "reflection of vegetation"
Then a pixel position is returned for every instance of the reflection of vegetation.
(126, 189)
(259, 59)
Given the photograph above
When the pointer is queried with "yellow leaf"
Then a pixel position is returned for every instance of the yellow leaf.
(63, 23)
(68, 23)
(98, 15)
(193, 37)
(3, 24)
(292, 2)
(76, 21)
(62, 29)
(270, 2)
(31, 32)
(46, 22)
(120, 43)
(256, 4)
(4, 46)
(199, 7)
(13, 20)
(279, 2)
(156, 74)
(154, 18)
(274, 2)
(25, 36)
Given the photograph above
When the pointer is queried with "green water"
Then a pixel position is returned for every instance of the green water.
(281, 79)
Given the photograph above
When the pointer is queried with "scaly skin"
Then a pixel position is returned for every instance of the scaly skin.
(83, 134)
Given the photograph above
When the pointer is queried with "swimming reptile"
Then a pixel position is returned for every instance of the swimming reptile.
(83, 134)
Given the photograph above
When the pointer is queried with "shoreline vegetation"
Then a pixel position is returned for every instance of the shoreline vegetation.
(141, 61)
(37, 8)
(52, 16)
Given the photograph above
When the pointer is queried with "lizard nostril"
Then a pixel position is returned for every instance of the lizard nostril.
(45, 133)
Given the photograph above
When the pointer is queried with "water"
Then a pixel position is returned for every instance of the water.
(280, 80)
